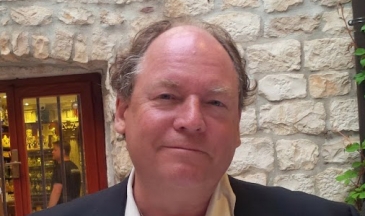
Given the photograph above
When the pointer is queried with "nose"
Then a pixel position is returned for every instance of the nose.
(190, 117)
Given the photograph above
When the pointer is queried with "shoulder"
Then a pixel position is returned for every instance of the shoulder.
(261, 200)
(110, 201)
(70, 163)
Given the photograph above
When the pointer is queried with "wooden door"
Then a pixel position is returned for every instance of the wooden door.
(43, 112)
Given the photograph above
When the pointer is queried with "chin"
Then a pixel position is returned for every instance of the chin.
(185, 176)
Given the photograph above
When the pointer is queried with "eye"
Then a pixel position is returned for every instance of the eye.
(216, 103)
(166, 96)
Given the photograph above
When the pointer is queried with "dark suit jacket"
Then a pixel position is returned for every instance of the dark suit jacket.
(251, 200)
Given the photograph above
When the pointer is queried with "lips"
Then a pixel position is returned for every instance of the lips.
(185, 149)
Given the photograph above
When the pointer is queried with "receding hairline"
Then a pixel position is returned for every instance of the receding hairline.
(188, 29)
(194, 31)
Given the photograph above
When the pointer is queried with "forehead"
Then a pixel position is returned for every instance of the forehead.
(188, 44)
(188, 39)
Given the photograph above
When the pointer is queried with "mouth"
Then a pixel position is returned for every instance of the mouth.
(184, 149)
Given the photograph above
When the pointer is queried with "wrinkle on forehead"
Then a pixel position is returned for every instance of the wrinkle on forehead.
(186, 39)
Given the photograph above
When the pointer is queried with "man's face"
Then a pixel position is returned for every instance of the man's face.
(182, 121)
(56, 153)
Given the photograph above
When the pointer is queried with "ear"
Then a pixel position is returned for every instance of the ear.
(119, 120)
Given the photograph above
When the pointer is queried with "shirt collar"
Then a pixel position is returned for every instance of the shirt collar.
(222, 201)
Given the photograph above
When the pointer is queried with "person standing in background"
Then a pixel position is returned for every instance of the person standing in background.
(72, 176)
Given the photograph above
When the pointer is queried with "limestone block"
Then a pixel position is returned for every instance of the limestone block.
(253, 153)
(5, 45)
(63, 45)
(282, 56)
(296, 154)
(280, 6)
(334, 25)
(142, 22)
(40, 45)
(4, 21)
(81, 49)
(292, 117)
(344, 115)
(241, 3)
(296, 182)
(331, 3)
(333, 150)
(4, 18)
(283, 86)
(328, 53)
(76, 16)
(240, 50)
(20, 43)
(107, 85)
(147, 9)
(109, 107)
(109, 18)
(248, 123)
(242, 26)
(179, 8)
(121, 161)
(328, 187)
(102, 47)
(31, 16)
(327, 84)
(126, 1)
(85, 1)
(282, 26)
(257, 178)
(3, 10)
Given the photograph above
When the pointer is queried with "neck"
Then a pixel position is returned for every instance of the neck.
(172, 201)
(65, 158)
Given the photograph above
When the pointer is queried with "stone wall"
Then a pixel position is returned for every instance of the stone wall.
(298, 51)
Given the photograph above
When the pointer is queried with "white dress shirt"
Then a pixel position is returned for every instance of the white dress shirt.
(221, 203)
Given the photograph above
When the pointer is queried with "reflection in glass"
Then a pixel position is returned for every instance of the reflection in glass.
(52, 124)
(7, 206)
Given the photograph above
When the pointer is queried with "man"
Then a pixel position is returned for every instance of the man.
(181, 89)
(71, 173)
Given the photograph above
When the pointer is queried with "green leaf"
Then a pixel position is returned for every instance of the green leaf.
(347, 182)
(363, 145)
(355, 195)
(353, 147)
(360, 77)
(352, 193)
(351, 198)
(356, 164)
(363, 28)
(362, 62)
(349, 174)
(350, 201)
(360, 51)
(362, 195)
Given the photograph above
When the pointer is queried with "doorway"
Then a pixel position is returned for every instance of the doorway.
(52, 134)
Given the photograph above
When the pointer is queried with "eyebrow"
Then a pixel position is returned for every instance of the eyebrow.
(220, 90)
(171, 84)
(167, 83)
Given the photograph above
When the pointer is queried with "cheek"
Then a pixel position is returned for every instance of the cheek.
(152, 119)
(226, 138)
